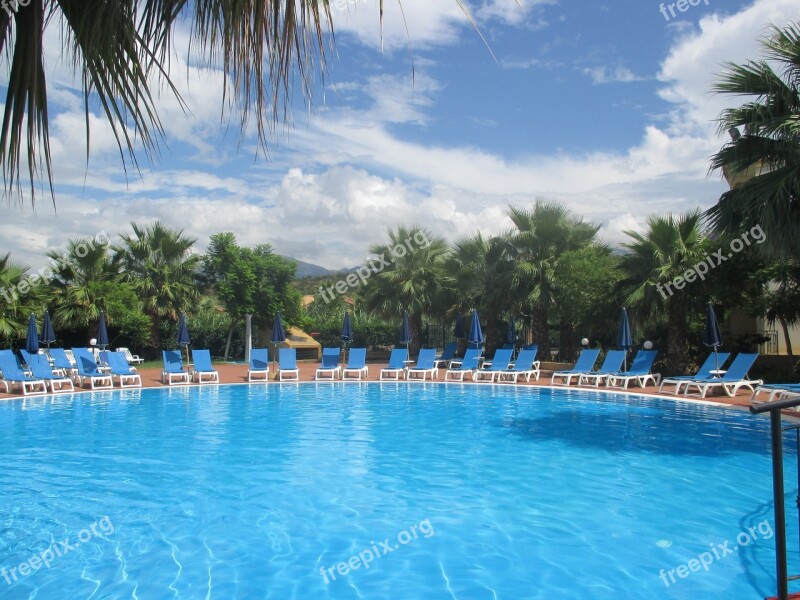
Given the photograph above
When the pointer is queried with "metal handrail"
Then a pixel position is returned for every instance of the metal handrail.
(774, 408)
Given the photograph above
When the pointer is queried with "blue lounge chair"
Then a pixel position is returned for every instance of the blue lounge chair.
(121, 369)
(287, 365)
(500, 363)
(704, 372)
(28, 358)
(584, 364)
(448, 354)
(469, 364)
(13, 375)
(330, 364)
(396, 366)
(41, 369)
(426, 365)
(88, 370)
(259, 364)
(612, 364)
(730, 382)
(640, 371)
(776, 390)
(356, 364)
(203, 371)
(173, 367)
(61, 362)
(526, 365)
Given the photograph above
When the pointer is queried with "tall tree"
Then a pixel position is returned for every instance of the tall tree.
(587, 296)
(669, 247)
(412, 278)
(253, 281)
(482, 270)
(763, 165)
(543, 234)
(21, 293)
(84, 275)
(158, 263)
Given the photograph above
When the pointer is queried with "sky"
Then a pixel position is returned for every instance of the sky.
(604, 107)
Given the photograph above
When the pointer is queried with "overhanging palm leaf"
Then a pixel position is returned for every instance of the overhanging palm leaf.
(763, 165)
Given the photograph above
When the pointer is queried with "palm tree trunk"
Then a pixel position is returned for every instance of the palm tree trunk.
(492, 336)
(228, 343)
(155, 332)
(415, 323)
(787, 338)
(541, 330)
(677, 337)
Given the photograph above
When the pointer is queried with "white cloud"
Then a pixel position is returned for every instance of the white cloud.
(604, 74)
(344, 178)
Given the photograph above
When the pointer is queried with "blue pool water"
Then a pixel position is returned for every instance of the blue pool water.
(428, 491)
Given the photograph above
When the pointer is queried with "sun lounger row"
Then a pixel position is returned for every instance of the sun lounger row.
(502, 368)
(611, 371)
(57, 373)
(709, 376)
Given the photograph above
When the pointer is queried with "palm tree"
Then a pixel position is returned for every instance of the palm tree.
(763, 165)
(543, 233)
(158, 263)
(411, 281)
(120, 52)
(670, 246)
(83, 276)
(21, 296)
(482, 270)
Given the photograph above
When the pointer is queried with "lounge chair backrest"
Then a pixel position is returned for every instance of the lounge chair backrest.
(502, 356)
(173, 361)
(357, 358)
(330, 358)
(259, 359)
(426, 358)
(470, 360)
(525, 360)
(397, 359)
(711, 364)
(40, 367)
(643, 361)
(118, 363)
(60, 359)
(612, 363)
(287, 358)
(740, 366)
(85, 361)
(449, 351)
(586, 360)
(9, 365)
(202, 360)
(27, 357)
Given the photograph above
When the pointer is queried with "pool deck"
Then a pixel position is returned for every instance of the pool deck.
(237, 373)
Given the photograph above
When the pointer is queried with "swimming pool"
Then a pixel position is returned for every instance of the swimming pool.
(379, 491)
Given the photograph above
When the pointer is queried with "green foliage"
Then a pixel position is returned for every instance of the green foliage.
(586, 292)
(412, 281)
(252, 281)
(17, 299)
(766, 159)
(208, 328)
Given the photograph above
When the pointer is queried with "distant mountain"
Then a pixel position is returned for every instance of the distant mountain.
(305, 269)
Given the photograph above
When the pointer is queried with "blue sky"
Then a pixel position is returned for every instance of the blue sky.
(604, 107)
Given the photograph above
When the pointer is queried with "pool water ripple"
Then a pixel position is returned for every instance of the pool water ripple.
(250, 491)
